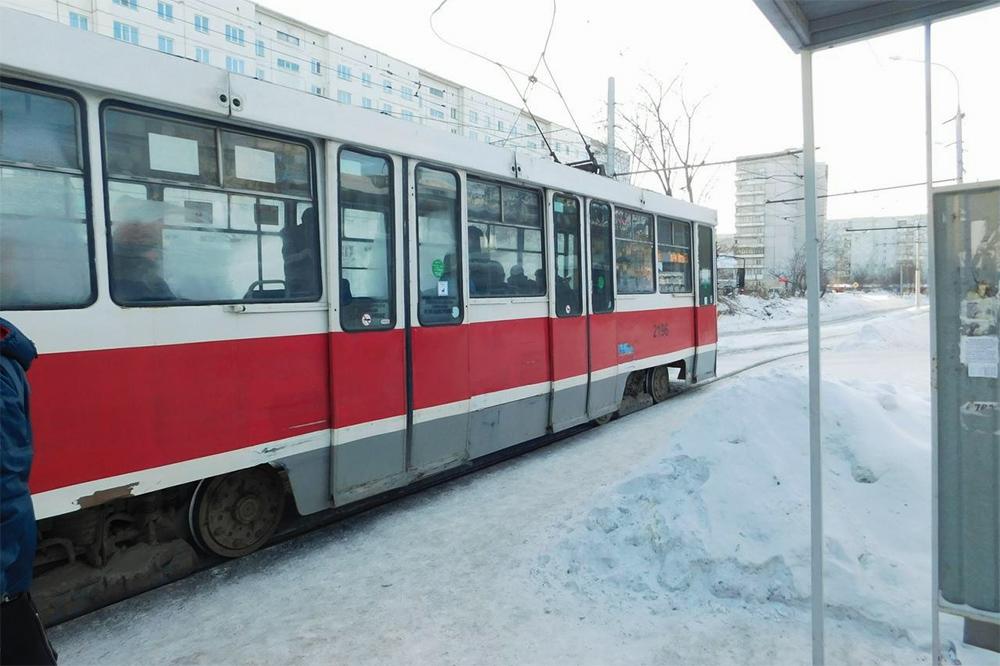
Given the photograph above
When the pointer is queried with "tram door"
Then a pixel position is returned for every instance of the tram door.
(567, 322)
(602, 398)
(438, 370)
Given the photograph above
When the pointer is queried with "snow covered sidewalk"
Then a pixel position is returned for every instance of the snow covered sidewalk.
(676, 535)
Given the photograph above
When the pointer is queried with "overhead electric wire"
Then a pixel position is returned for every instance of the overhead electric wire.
(159, 30)
(586, 145)
(507, 69)
(922, 183)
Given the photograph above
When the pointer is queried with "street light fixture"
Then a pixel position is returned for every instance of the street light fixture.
(959, 166)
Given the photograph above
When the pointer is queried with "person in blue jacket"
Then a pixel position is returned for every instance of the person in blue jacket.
(22, 634)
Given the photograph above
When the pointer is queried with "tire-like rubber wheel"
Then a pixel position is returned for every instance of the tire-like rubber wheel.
(659, 383)
(235, 514)
(601, 420)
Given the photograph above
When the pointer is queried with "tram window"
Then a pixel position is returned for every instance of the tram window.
(439, 273)
(569, 291)
(194, 240)
(367, 292)
(45, 257)
(265, 165)
(673, 248)
(634, 250)
(505, 241)
(601, 260)
(706, 267)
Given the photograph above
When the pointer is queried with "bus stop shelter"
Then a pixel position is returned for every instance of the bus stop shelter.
(807, 26)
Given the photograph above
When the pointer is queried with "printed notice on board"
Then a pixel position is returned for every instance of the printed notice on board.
(254, 164)
(173, 154)
(982, 355)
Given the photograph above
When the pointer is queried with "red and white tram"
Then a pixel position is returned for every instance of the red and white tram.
(225, 277)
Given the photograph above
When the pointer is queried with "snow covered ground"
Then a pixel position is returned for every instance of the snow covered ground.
(676, 535)
(754, 313)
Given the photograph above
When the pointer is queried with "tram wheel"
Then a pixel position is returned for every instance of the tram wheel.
(235, 514)
(659, 383)
(606, 418)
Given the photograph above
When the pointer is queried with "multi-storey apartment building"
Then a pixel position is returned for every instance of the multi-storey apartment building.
(770, 215)
(248, 39)
(879, 248)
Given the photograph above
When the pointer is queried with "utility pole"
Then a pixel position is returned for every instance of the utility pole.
(610, 167)
(916, 266)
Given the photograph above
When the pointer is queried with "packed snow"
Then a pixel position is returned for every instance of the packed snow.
(746, 312)
(676, 535)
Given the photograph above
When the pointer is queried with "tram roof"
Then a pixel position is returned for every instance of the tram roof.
(815, 24)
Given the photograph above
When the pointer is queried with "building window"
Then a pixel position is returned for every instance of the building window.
(235, 35)
(260, 48)
(234, 65)
(344, 97)
(288, 65)
(366, 102)
(407, 115)
(165, 11)
(473, 117)
(406, 92)
(505, 241)
(500, 125)
(343, 72)
(437, 92)
(260, 73)
(126, 33)
(316, 67)
(366, 79)
(78, 21)
(317, 90)
(437, 114)
(201, 23)
(386, 108)
(634, 250)
(131, 4)
(486, 121)
(454, 114)
(201, 54)
(291, 39)
(165, 44)
(387, 86)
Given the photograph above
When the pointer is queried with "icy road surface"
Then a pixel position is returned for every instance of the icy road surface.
(676, 535)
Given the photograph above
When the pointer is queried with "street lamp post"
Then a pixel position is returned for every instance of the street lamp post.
(959, 164)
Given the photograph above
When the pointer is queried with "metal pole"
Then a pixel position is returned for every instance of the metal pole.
(916, 266)
(812, 292)
(611, 167)
(960, 167)
(928, 148)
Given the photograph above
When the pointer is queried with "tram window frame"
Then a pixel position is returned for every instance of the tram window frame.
(502, 222)
(83, 172)
(671, 244)
(576, 309)
(390, 245)
(265, 199)
(459, 260)
(622, 242)
(610, 265)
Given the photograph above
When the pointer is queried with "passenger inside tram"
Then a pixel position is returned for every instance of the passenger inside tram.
(299, 245)
(138, 263)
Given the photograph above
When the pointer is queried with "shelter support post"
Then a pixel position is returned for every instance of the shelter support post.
(812, 293)
(929, 153)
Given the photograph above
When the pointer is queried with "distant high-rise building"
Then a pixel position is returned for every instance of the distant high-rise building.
(770, 216)
(248, 39)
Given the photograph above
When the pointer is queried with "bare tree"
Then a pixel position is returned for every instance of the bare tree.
(662, 137)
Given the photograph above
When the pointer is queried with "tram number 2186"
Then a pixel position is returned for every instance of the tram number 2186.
(660, 331)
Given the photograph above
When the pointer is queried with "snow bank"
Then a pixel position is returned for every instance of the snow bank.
(755, 313)
(724, 516)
